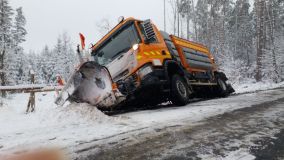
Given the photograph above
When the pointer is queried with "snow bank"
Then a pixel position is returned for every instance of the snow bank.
(14, 119)
(256, 86)
(81, 113)
(51, 125)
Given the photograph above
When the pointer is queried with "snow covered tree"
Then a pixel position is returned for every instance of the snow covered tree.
(173, 15)
(246, 42)
(261, 36)
(178, 11)
(16, 58)
(65, 56)
(22, 74)
(274, 32)
(269, 35)
(241, 32)
(202, 16)
(185, 9)
(44, 65)
(59, 60)
(19, 32)
(69, 56)
(6, 13)
(279, 36)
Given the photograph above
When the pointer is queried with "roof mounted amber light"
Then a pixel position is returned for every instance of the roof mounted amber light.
(120, 19)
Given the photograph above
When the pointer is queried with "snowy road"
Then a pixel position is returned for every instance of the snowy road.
(238, 127)
(245, 126)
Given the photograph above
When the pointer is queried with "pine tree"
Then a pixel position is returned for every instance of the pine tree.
(279, 37)
(173, 4)
(269, 37)
(16, 58)
(69, 55)
(19, 32)
(65, 59)
(45, 65)
(6, 13)
(273, 11)
(241, 31)
(245, 43)
(202, 16)
(261, 36)
(59, 60)
(185, 9)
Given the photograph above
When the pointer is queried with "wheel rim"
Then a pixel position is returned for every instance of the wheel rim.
(181, 89)
(222, 85)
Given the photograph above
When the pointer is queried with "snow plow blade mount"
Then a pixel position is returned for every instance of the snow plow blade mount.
(91, 84)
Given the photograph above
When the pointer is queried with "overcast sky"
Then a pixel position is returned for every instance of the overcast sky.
(46, 19)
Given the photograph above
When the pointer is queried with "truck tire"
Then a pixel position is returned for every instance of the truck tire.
(179, 91)
(222, 88)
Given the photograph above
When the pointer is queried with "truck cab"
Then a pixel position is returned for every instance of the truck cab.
(150, 66)
(124, 50)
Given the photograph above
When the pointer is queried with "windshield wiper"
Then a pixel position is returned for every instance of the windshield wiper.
(118, 53)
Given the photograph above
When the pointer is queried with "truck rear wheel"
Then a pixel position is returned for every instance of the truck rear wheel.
(179, 91)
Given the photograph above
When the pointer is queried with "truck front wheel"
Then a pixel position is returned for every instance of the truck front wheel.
(179, 91)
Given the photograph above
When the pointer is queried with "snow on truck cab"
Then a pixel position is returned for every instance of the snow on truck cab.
(147, 67)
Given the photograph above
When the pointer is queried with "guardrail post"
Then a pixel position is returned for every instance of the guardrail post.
(31, 103)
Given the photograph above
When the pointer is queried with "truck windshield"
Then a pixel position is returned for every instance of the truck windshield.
(117, 44)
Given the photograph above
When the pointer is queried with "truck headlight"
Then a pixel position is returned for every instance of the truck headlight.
(135, 47)
(145, 70)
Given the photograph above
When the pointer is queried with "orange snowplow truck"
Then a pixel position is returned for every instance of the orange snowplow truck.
(136, 64)
(149, 66)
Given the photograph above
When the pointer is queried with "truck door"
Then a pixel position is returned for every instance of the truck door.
(122, 51)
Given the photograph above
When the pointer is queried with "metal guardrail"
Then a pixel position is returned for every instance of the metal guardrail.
(31, 87)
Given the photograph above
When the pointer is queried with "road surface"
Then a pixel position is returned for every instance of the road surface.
(252, 128)
(240, 127)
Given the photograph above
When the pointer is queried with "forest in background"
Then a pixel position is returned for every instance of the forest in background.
(246, 39)
(15, 63)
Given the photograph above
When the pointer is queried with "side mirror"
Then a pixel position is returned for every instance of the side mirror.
(149, 31)
(91, 45)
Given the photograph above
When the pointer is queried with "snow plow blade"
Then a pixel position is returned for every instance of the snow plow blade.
(92, 84)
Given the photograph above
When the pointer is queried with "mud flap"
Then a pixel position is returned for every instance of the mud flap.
(92, 84)
(230, 89)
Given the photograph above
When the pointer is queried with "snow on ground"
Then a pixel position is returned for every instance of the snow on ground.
(71, 125)
(256, 86)
(241, 154)
(60, 126)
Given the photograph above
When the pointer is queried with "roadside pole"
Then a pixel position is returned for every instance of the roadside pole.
(165, 23)
(31, 103)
